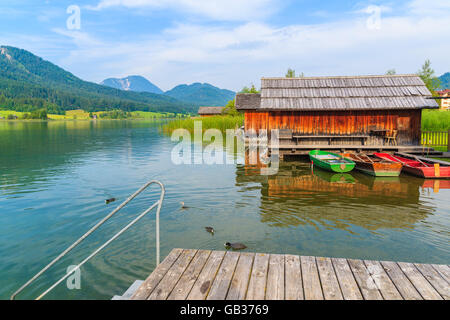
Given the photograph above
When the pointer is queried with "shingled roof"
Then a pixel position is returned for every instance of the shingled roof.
(247, 101)
(343, 93)
(210, 110)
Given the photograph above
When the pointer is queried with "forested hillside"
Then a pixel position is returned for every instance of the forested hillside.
(28, 82)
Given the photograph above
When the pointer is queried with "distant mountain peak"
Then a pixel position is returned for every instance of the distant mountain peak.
(132, 83)
(201, 94)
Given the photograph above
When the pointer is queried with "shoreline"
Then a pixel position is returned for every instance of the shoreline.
(70, 115)
(62, 120)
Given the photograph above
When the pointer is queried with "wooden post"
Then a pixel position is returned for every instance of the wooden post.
(448, 141)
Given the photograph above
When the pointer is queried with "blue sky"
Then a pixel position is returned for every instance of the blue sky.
(230, 43)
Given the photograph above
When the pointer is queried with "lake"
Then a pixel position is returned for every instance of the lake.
(55, 177)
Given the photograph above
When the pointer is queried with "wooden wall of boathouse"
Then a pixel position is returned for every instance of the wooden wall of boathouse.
(358, 122)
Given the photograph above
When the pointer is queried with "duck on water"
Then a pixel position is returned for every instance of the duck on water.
(235, 246)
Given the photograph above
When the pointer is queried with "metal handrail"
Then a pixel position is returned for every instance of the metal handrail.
(76, 243)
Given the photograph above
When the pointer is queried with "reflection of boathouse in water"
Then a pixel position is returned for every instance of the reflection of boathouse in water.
(298, 196)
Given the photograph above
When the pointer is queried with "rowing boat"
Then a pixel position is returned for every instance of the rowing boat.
(417, 167)
(375, 166)
(331, 161)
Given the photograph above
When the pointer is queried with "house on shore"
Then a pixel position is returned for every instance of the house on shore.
(445, 99)
(210, 111)
(352, 110)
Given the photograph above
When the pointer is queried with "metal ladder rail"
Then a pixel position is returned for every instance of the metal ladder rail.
(83, 237)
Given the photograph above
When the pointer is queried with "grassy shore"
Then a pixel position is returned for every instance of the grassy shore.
(83, 115)
(435, 120)
(217, 122)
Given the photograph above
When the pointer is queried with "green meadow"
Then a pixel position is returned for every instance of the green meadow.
(152, 115)
(435, 120)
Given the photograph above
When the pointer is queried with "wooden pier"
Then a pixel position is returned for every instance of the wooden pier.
(219, 275)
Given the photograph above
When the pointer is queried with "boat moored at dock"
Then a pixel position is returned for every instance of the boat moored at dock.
(375, 166)
(331, 161)
(423, 168)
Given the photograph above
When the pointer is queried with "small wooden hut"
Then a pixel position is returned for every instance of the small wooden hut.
(347, 108)
(210, 111)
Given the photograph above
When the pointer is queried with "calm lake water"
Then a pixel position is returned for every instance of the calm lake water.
(55, 177)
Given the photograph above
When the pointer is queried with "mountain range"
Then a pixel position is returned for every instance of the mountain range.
(445, 81)
(202, 94)
(28, 82)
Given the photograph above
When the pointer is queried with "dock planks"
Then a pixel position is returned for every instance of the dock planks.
(217, 275)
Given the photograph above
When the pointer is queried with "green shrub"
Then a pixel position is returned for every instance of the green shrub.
(39, 114)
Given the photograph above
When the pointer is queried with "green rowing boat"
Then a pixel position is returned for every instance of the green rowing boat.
(331, 161)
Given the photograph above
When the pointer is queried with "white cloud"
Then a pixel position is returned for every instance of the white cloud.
(232, 56)
(229, 10)
(81, 39)
(439, 8)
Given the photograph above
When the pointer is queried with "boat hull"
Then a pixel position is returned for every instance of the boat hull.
(342, 165)
(420, 169)
(374, 167)
(428, 172)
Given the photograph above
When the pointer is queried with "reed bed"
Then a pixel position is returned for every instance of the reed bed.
(221, 123)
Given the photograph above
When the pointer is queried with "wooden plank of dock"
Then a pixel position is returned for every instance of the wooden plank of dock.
(217, 275)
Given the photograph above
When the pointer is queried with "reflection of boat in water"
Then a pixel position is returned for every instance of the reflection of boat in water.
(391, 189)
(439, 184)
(334, 177)
(296, 196)
(317, 199)
(359, 188)
(436, 185)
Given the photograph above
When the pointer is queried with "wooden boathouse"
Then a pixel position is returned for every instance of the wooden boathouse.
(210, 111)
(351, 111)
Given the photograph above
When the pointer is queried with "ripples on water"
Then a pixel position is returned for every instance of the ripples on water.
(55, 177)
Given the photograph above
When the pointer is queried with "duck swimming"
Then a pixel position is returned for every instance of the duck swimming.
(107, 201)
(183, 206)
(235, 246)
(210, 229)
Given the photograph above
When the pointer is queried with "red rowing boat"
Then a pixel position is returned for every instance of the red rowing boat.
(421, 168)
